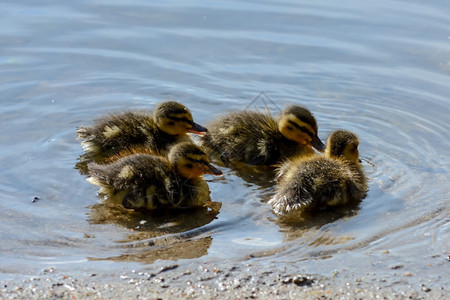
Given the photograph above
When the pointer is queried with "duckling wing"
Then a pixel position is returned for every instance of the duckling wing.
(148, 180)
(116, 132)
(127, 172)
(244, 136)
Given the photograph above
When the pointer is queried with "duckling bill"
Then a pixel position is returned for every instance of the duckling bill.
(145, 181)
(256, 138)
(157, 131)
(319, 182)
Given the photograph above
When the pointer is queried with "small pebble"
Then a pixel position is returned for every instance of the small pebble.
(287, 280)
(302, 280)
(168, 268)
(395, 267)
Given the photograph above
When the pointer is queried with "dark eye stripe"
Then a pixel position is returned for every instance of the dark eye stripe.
(200, 161)
(177, 111)
(183, 119)
(196, 151)
(301, 128)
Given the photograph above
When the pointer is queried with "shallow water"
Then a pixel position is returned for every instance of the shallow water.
(380, 70)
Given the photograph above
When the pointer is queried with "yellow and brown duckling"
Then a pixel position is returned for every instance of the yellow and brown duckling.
(322, 181)
(145, 181)
(157, 132)
(257, 138)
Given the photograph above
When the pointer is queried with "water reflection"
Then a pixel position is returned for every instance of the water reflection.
(148, 224)
(302, 224)
(185, 249)
(161, 234)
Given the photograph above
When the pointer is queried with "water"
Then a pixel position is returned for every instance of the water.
(378, 69)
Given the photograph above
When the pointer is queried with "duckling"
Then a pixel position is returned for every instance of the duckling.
(169, 124)
(149, 181)
(322, 181)
(256, 138)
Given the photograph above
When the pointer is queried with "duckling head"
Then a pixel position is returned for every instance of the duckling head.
(190, 161)
(343, 144)
(298, 124)
(175, 119)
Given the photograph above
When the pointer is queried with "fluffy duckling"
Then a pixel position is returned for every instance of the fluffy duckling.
(319, 182)
(149, 181)
(169, 124)
(256, 138)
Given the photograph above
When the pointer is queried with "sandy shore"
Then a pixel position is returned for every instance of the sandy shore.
(243, 280)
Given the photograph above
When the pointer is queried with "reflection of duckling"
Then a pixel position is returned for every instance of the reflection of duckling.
(316, 182)
(257, 139)
(168, 125)
(150, 181)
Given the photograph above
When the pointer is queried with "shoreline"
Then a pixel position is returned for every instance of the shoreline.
(207, 280)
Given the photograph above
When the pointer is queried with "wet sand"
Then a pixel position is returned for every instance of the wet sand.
(243, 280)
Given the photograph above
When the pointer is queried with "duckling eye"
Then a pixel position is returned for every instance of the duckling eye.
(171, 123)
(290, 128)
(353, 148)
(189, 166)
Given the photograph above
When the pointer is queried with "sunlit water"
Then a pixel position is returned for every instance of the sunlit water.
(378, 69)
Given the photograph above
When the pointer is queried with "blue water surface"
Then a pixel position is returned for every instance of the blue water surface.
(380, 69)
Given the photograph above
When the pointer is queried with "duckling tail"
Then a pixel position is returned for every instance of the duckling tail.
(83, 132)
